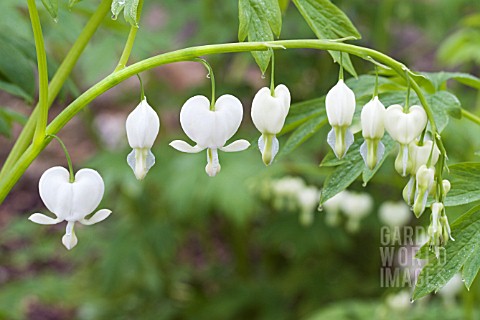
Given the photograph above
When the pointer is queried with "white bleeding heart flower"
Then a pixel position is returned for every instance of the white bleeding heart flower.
(394, 214)
(268, 115)
(372, 120)
(307, 198)
(210, 129)
(425, 178)
(142, 127)
(71, 201)
(356, 206)
(419, 154)
(404, 127)
(340, 106)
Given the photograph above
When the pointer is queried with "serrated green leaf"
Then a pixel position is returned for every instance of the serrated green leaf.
(343, 175)
(327, 21)
(465, 180)
(439, 79)
(259, 20)
(130, 12)
(437, 272)
(52, 7)
(304, 132)
(471, 267)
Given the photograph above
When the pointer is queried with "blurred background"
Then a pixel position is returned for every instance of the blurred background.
(249, 243)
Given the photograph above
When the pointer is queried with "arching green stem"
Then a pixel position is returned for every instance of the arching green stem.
(13, 173)
(142, 91)
(42, 73)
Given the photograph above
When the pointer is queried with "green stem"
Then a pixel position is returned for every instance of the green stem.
(212, 79)
(470, 116)
(272, 76)
(67, 155)
(61, 75)
(42, 73)
(375, 90)
(340, 72)
(12, 175)
(127, 50)
(142, 91)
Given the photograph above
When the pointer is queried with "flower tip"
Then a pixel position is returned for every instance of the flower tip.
(212, 170)
(69, 241)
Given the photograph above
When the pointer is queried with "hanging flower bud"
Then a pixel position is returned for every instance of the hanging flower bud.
(340, 106)
(409, 191)
(446, 186)
(372, 119)
(210, 129)
(71, 201)
(404, 127)
(142, 125)
(425, 178)
(268, 116)
(419, 155)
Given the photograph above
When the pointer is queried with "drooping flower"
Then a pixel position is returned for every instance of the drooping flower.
(307, 198)
(71, 201)
(332, 208)
(404, 127)
(425, 178)
(419, 155)
(340, 106)
(268, 115)
(394, 214)
(372, 120)
(356, 206)
(142, 126)
(210, 129)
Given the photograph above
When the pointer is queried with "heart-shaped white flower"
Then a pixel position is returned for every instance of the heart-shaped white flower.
(268, 115)
(340, 107)
(402, 126)
(71, 201)
(420, 154)
(142, 127)
(211, 129)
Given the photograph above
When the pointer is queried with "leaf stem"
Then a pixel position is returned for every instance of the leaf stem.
(127, 50)
(11, 176)
(42, 73)
(470, 116)
(67, 155)
(61, 75)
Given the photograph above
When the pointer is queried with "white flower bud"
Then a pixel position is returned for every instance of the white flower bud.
(425, 178)
(142, 127)
(372, 120)
(340, 107)
(268, 115)
(419, 154)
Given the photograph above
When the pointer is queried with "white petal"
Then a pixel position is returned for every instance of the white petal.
(238, 145)
(197, 120)
(213, 165)
(70, 240)
(88, 191)
(100, 215)
(340, 105)
(268, 155)
(43, 219)
(405, 127)
(56, 191)
(182, 146)
(228, 116)
(269, 113)
(142, 126)
(372, 119)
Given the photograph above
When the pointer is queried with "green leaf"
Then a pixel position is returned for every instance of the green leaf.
(349, 168)
(259, 20)
(283, 5)
(328, 22)
(7, 118)
(130, 12)
(439, 79)
(304, 132)
(465, 180)
(71, 3)
(461, 252)
(301, 112)
(15, 90)
(116, 8)
(52, 7)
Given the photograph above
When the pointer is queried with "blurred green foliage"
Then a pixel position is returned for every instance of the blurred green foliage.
(181, 245)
